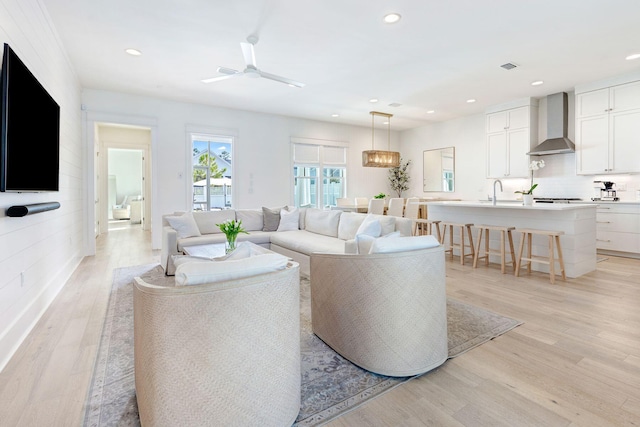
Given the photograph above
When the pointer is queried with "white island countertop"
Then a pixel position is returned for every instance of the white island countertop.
(517, 205)
(576, 221)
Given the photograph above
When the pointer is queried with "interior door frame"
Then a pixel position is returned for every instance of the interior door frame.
(92, 197)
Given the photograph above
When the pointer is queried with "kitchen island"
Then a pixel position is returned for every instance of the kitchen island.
(577, 221)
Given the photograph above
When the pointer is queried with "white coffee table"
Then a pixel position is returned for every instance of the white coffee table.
(215, 250)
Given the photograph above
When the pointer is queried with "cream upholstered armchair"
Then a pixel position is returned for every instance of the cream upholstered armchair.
(385, 312)
(219, 354)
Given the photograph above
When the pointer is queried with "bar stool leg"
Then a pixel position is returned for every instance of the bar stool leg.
(479, 239)
(529, 242)
(487, 237)
(438, 231)
(552, 269)
(520, 250)
(461, 245)
(502, 260)
(451, 239)
(471, 247)
(560, 259)
(513, 256)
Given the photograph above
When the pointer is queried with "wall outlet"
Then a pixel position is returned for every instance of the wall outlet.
(21, 278)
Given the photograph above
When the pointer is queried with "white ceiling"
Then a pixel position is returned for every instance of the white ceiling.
(439, 55)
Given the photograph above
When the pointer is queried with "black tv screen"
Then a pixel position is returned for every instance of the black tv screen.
(29, 130)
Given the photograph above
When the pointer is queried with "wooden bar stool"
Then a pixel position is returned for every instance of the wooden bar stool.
(426, 226)
(527, 233)
(461, 246)
(505, 232)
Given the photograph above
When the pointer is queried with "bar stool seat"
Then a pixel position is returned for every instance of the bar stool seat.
(528, 233)
(462, 245)
(505, 233)
(426, 226)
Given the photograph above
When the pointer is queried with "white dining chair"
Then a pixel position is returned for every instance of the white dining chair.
(376, 206)
(396, 206)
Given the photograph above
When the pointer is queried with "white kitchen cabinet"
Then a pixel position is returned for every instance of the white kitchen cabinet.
(608, 130)
(509, 139)
(618, 228)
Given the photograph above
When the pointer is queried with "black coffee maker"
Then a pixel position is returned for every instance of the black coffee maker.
(607, 193)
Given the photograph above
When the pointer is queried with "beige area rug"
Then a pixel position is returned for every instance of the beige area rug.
(331, 385)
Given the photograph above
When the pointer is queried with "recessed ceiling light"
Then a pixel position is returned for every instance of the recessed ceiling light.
(392, 18)
(134, 52)
(395, 104)
(634, 56)
(373, 100)
(430, 111)
(335, 115)
(537, 83)
(471, 101)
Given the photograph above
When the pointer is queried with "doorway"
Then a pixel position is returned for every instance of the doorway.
(123, 178)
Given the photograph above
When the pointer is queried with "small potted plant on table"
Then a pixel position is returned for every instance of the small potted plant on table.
(231, 228)
(527, 196)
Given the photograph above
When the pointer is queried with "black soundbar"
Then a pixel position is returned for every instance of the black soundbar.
(17, 211)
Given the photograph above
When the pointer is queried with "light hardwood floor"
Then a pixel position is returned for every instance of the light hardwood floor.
(575, 361)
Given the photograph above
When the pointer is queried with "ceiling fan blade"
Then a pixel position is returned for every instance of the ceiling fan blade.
(225, 70)
(225, 77)
(249, 54)
(281, 79)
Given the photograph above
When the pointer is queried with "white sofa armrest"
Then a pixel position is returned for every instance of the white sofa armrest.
(169, 246)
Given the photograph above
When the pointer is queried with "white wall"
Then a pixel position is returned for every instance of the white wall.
(557, 179)
(38, 253)
(261, 154)
(126, 166)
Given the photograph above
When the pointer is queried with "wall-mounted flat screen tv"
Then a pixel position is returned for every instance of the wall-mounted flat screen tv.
(29, 130)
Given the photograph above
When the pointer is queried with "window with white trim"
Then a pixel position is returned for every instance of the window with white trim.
(211, 171)
(319, 174)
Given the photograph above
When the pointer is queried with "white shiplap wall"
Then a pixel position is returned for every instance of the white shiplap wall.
(39, 252)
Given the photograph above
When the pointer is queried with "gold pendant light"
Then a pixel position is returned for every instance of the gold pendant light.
(380, 158)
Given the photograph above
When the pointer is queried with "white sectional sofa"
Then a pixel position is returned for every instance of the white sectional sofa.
(313, 231)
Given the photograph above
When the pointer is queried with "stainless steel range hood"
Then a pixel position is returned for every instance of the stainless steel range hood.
(557, 119)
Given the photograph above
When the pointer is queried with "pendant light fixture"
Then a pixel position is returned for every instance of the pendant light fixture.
(379, 158)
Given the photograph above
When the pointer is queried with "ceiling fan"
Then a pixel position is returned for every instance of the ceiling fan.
(251, 69)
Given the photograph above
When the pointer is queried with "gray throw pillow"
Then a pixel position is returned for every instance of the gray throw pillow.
(271, 219)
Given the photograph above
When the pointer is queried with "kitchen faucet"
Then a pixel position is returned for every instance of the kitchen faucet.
(497, 181)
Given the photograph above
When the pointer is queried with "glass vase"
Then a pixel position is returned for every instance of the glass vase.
(230, 244)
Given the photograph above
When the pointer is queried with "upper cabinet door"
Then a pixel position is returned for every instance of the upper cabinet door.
(592, 103)
(518, 118)
(592, 144)
(497, 155)
(624, 134)
(497, 122)
(625, 97)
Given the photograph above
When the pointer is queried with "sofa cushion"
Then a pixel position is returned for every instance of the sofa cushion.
(323, 222)
(349, 223)
(371, 226)
(252, 219)
(401, 244)
(289, 219)
(271, 219)
(185, 225)
(198, 273)
(387, 222)
(306, 243)
(207, 220)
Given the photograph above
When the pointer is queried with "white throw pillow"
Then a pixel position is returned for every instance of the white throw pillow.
(401, 244)
(364, 243)
(323, 222)
(184, 225)
(370, 226)
(178, 260)
(387, 222)
(349, 223)
(198, 273)
(289, 219)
